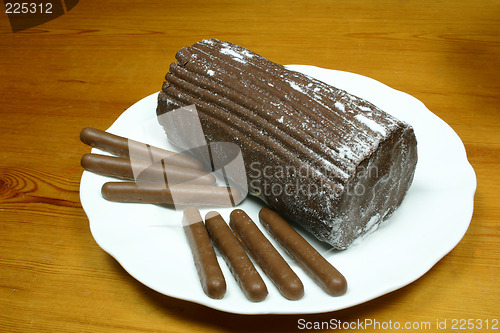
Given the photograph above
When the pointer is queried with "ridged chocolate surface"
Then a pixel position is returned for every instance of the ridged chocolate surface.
(331, 162)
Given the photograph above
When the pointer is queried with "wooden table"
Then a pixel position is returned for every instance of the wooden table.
(87, 66)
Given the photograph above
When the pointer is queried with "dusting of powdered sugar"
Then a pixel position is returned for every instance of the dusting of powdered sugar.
(340, 106)
(373, 125)
(296, 86)
(326, 163)
(372, 225)
(346, 153)
(237, 55)
(208, 41)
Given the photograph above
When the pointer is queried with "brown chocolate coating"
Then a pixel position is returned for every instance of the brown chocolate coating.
(209, 272)
(240, 265)
(123, 168)
(124, 147)
(332, 162)
(180, 194)
(266, 256)
(306, 256)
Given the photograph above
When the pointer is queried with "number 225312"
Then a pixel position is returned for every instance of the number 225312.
(28, 8)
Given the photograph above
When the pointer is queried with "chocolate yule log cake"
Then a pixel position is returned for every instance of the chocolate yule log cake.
(329, 161)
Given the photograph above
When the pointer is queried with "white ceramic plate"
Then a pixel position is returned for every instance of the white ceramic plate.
(148, 240)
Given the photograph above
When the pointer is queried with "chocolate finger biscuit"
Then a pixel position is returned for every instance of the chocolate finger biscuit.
(124, 147)
(237, 260)
(313, 263)
(208, 269)
(266, 256)
(140, 170)
(179, 194)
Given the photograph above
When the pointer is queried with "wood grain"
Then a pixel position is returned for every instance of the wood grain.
(87, 66)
